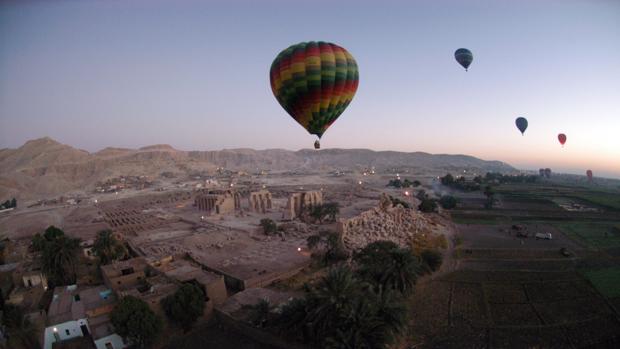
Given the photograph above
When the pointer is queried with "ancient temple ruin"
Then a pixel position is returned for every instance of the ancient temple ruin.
(218, 202)
(299, 202)
(259, 201)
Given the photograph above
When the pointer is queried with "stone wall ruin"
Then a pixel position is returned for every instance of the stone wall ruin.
(219, 202)
(260, 201)
(299, 202)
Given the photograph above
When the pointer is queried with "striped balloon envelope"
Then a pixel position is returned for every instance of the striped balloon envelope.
(314, 82)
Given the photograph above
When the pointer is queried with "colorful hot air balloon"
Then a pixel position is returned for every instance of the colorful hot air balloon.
(464, 57)
(521, 124)
(562, 138)
(314, 82)
(589, 174)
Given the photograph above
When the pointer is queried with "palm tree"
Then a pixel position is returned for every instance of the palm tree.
(330, 301)
(344, 312)
(385, 264)
(362, 328)
(108, 248)
(392, 311)
(59, 259)
(360, 316)
(292, 318)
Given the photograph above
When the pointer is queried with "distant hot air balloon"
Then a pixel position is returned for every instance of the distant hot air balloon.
(589, 174)
(562, 138)
(314, 82)
(521, 124)
(464, 57)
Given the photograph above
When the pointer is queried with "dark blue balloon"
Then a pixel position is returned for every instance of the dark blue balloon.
(521, 124)
(464, 57)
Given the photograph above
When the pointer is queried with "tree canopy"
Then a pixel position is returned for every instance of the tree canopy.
(269, 226)
(431, 259)
(342, 311)
(447, 201)
(136, 322)
(185, 306)
(9, 204)
(333, 249)
(59, 255)
(386, 265)
(108, 248)
(328, 210)
(428, 205)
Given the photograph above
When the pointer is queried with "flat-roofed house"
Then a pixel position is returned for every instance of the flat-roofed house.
(71, 311)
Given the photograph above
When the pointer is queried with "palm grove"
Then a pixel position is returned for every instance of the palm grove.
(361, 302)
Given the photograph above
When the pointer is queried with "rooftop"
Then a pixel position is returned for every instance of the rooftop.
(121, 267)
(183, 271)
(100, 326)
(75, 343)
(70, 303)
(30, 299)
(157, 286)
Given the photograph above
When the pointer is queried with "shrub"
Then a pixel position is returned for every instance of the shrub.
(448, 202)
(269, 226)
(428, 205)
(431, 259)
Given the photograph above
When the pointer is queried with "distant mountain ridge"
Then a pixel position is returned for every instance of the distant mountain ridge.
(46, 167)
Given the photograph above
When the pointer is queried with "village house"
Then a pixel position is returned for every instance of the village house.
(75, 312)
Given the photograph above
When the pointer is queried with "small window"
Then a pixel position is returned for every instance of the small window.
(109, 346)
(76, 297)
(67, 332)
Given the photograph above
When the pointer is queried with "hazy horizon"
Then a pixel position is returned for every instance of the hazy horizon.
(195, 75)
(533, 169)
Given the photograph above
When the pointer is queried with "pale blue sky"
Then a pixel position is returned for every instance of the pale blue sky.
(194, 74)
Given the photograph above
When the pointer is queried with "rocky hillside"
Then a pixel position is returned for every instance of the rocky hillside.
(45, 167)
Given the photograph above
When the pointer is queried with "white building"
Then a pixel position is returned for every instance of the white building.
(77, 312)
(103, 333)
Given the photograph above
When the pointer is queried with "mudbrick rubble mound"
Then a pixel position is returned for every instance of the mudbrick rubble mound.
(387, 222)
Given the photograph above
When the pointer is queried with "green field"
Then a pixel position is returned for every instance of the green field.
(491, 220)
(548, 191)
(609, 200)
(606, 281)
(593, 234)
